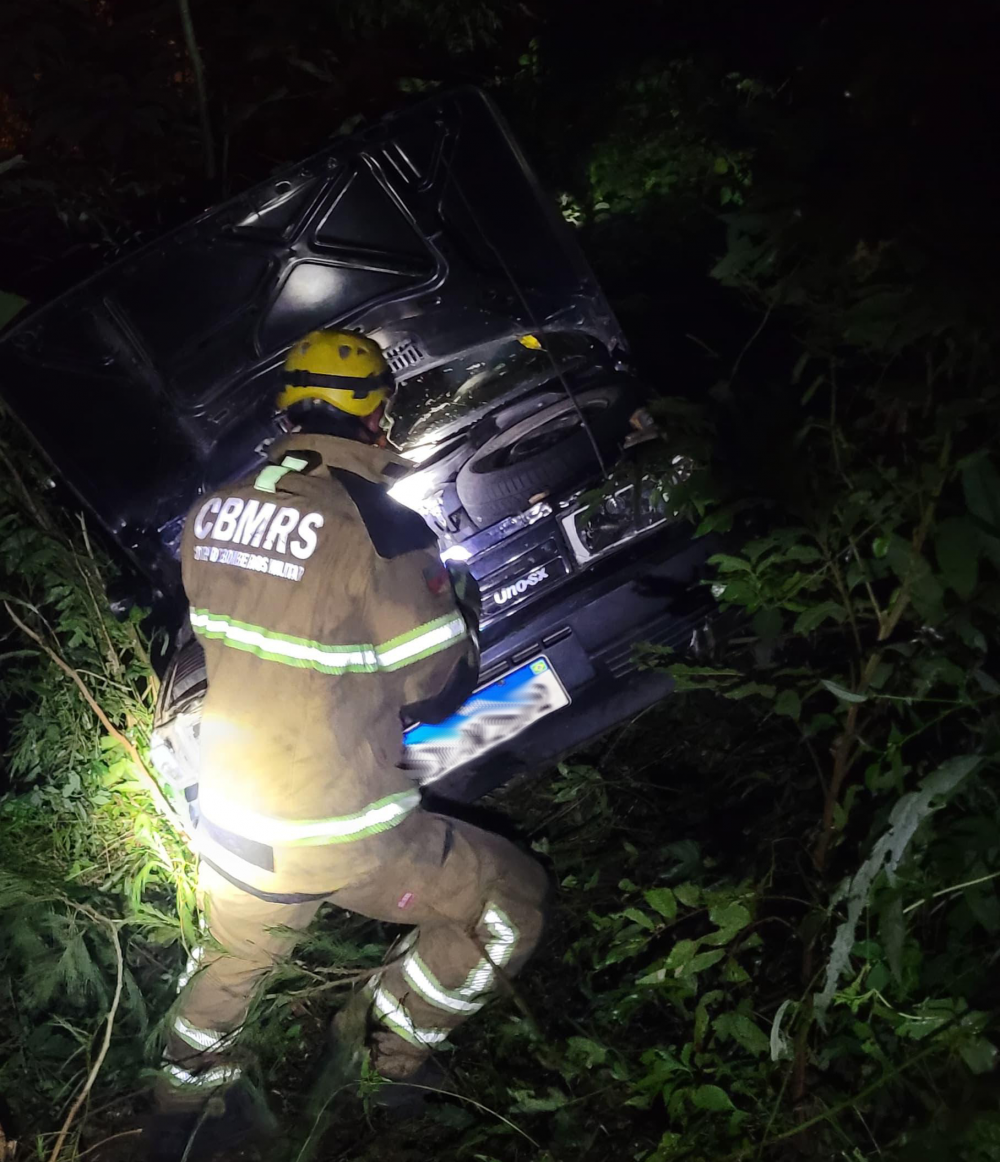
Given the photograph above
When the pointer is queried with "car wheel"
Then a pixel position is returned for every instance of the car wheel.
(544, 452)
(174, 745)
(184, 683)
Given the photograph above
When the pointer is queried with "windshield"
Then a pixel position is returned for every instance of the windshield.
(429, 403)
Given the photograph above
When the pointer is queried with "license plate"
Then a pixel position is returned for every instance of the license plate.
(493, 715)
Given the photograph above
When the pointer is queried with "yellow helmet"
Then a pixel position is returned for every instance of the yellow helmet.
(341, 368)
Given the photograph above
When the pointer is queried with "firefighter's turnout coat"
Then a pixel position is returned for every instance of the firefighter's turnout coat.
(328, 619)
(324, 611)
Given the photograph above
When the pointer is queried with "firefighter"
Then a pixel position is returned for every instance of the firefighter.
(327, 621)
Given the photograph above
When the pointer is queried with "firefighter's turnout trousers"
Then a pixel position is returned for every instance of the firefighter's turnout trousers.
(326, 615)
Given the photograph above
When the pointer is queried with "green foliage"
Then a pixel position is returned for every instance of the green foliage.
(852, 482)
(656, 148)
(10, 305)
(83, 847)
(671, 992)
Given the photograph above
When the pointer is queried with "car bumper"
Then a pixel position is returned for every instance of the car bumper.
(589, 629)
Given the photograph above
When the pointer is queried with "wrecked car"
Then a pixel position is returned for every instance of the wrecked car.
(153, 382)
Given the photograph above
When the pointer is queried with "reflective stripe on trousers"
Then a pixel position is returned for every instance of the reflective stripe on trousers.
(204, 1040)
(212, 1078)
(391, 1012)
(468, 998)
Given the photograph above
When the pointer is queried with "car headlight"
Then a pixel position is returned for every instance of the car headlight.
(412, 491)
(610, 521)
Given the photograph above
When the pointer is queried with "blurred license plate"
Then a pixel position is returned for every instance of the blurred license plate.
(491, 716)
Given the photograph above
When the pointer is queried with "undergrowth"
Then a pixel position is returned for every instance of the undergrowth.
(776, 919)
(88, 868)
(702, 962)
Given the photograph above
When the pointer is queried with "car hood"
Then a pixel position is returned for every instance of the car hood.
(154, 380)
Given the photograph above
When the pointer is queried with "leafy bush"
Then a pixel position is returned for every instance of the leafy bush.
(96, 895)
(847, 471)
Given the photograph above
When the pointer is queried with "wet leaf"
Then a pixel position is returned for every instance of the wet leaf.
(710, 1097)
(743, 1031)
(841, 693)
(813, 618)
(727, 564)
(747, 689)
(688, 894)
(979, 1055)
(730, 918)
(734, 973)
(586, 1052)
(981, 485)
(680, 954)
(526, 1102)
(667, 1148)
(639, 918)
(702, 961)
(956, 544)
(701, 1015)
(780, 1043)
(789, 704)
(663, 900)
(804, 554)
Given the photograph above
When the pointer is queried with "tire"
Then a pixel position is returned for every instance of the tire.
(542, 453)
(175, 748)
(184, 683)
(443, 466)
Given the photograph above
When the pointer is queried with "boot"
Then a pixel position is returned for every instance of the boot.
(404, 1098)
(349, 1033)
(224, 1122)
(406, 1076)
(340, 1071)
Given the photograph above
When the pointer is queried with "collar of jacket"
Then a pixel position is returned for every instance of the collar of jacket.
(378, 465)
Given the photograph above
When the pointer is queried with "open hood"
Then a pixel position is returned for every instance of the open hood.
(154, 379)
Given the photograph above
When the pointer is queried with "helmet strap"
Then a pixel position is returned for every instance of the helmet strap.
(320, 418)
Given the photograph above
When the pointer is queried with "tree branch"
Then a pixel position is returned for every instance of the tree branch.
(113, 1138)
(868, 585)
(123, 741)
(843, 755)
(750, 342)
(198, 68)
(103, 1052)
(848, 1103)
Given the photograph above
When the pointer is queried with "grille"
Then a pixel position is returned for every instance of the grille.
(520, 579)
(402, 356)
(666, 630)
